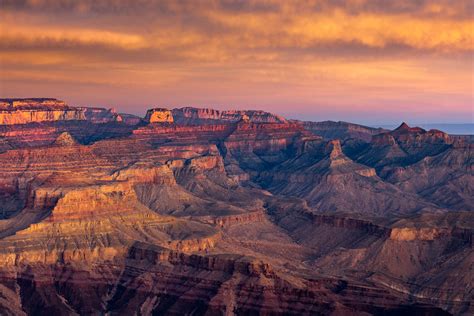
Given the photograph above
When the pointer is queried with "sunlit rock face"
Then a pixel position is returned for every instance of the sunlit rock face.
(159, 115)
(199, 211)
(37, 110)
(31, 104)
(23, 111)
(64, 139)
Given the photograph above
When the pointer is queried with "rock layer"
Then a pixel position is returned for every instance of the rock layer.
(34, 110)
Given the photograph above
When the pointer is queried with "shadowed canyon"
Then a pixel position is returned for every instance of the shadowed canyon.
(192, 211)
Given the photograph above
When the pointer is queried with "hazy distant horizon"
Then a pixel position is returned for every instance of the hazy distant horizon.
(376, 119)
(392, 120)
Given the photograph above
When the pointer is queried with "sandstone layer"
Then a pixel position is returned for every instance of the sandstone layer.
(22, 111)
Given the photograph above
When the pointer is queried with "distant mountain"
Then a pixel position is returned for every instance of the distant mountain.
(453, 129)
(342, 130)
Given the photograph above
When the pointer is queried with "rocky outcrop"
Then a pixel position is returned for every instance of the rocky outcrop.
(430, 227)
(237, 219)
(65, 139)
(22, 111)
(8, 117)
(196, 116)
(159, 115)
(409, 234)
(32, 104)
(101, 115)
(36, 110)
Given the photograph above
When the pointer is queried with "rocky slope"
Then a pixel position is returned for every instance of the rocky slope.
(432, 164)
(209, 212)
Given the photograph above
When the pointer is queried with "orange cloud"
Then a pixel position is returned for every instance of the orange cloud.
(252, 52)
(378, 31)
(31, 34)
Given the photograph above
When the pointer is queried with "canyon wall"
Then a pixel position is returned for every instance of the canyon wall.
(213, 212)
(37, 110)
(22, 111)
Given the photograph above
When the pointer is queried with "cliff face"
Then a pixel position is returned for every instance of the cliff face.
(22, 111)
(195, 116)
(101, 115)
(36, 110)
(11, 117)
(159, 115)
(214, 212)
(32, 104)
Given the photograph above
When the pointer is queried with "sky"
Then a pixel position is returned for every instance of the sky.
(364, 61)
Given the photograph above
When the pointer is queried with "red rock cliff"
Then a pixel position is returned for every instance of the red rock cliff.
(22, 111)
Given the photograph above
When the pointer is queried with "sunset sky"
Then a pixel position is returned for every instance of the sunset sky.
(372, 62)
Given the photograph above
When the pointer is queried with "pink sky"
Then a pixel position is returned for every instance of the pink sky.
(372, 62)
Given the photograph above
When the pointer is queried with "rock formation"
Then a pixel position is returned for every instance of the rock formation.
(193, 211)
(32, 104)
(65, 139)
(159, 115)
(342, 130)
(38, 110)
(22, 111)
(196, 116)
(101, 115)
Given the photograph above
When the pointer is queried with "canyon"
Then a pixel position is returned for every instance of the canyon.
(193, 211)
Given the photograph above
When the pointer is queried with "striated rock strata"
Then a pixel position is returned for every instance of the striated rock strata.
(22, 111)
(209, 212)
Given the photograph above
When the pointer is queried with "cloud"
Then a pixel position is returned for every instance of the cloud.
(332, 52)
(31, 36)
(223, 30)
(459, 9)
(271, 30)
